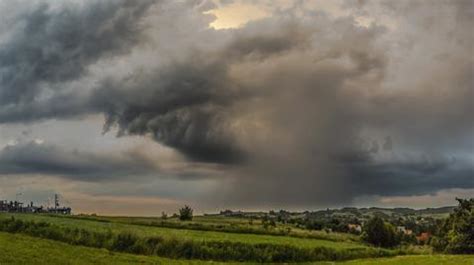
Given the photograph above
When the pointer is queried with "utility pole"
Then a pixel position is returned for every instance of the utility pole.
(56, 201)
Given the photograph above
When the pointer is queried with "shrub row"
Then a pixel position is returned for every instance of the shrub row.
(185, 249)
(239, 229)
(250, 230)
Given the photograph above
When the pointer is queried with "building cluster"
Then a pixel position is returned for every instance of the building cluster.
(404, 230)
(20, 207)
(355, 228)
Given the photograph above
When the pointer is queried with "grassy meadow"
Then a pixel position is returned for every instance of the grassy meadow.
(186, 234)
(46, 239)
(19, 249)
(227, 224)
(416, 260)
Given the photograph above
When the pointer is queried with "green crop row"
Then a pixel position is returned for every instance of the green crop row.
(185, 249)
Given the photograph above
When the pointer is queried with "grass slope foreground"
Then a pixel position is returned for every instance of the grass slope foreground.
(21, 250)
(16, 249)
(166, 243)
(46, 239)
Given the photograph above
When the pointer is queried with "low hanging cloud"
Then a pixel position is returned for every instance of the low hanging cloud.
(301, 108)
(35, 157)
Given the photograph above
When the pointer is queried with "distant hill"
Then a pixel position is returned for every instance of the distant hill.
(350, 212)
(382, 212)
(441, 210)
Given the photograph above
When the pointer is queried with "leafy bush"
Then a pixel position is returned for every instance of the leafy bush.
(186, 213)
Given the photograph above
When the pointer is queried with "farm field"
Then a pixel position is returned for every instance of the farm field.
(185, 233)
(19, 249)
(226, 224)
(181, 243)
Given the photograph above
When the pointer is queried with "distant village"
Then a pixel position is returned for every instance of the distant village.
(415, 225)
(20, 207)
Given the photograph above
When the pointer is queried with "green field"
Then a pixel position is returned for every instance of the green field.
(417, 260)
(23, 249)
(226, 224)
(186, 234)
(19, 249)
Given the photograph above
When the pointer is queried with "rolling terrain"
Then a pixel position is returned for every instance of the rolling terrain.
(199, 241)
(186, 234)
(18, 249)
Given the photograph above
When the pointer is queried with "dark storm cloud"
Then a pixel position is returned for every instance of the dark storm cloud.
(405, 176)
(51, 46)
(34, 158)
(301, 108)
(411, 178)
(183, 107)
(61, 105)
(189, 105)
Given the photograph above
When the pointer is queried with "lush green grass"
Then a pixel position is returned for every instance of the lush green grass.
(185, 234)
(18, 249)
(92, 233)
(417, 260)
(227, 224)
(207, 245)
(21, 250)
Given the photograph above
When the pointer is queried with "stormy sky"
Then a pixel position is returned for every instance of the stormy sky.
(138, 107)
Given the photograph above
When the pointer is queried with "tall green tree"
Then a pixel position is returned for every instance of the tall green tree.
(457, 234)
(379, 233)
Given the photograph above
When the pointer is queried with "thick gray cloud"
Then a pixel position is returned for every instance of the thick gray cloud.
(412, 178)
(300, 108)
(184, 107)
(43, 159)
(50, 46)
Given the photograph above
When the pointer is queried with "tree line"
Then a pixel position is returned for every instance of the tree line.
(455, 235)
